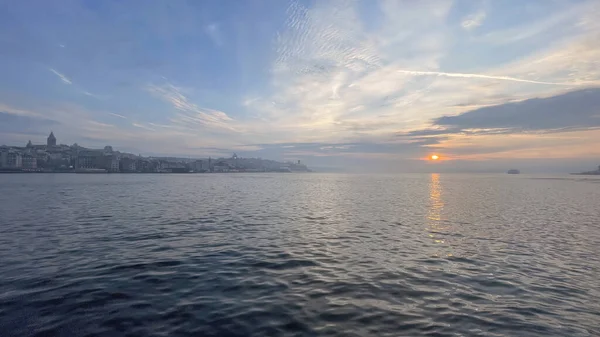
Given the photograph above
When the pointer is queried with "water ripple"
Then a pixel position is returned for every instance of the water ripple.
(298, 255)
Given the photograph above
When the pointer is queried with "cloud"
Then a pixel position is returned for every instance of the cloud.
(337, 83)
(117, 115)
(141, 126)
(104, 125)
(559, 126)
(567, 144)
(555, 24)
(5, 108)
(61, 76)
(188, 112)
(490, 77)
(87, 93)
(473, 21)
(332, 80)
(572, 111)
(80, 90)
(70, 121)
(10, 122)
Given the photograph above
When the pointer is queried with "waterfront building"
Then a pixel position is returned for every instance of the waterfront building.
(197, 166)
(3, 155)
(29, 162)
(110, 163)
(13, 159)
(128, 165)
(89, 159)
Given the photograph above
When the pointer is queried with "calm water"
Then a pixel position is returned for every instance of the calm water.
(299, 255)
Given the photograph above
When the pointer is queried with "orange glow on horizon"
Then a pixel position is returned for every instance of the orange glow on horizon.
(435, 157)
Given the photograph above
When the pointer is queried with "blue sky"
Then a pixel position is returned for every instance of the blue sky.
(334, 83)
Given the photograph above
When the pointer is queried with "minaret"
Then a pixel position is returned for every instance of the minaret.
(51, 141)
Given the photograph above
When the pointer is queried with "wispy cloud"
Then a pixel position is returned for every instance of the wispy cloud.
(105, 125)
(490, 77)
(189, 112)
(117, 115)
(473, 21)
(61, 76)
(141, 126)
(77, 88)
(5, 108)
(558, 24)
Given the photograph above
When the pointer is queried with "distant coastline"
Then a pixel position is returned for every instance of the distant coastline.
(59, 158)
(589, 173)
(17, 171)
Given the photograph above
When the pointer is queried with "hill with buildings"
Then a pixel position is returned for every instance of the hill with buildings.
(74, 158)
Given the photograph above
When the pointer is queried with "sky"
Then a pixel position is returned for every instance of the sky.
(359, 85)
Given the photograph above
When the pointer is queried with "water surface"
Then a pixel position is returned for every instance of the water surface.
(299, 255)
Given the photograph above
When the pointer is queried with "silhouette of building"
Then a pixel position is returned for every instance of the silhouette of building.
(128, 165)
(51, 139)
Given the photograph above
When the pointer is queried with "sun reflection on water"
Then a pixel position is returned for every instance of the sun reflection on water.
(436, 204)
(435, 221)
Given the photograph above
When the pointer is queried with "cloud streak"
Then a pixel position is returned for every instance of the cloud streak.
(117, 115)
(489, 77)
(141, 126)
(61, 76)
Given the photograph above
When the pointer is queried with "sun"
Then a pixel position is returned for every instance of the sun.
(435, 157)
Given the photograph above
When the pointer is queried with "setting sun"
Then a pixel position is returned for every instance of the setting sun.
(435, 157)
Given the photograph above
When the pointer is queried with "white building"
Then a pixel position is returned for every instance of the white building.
(13, 160)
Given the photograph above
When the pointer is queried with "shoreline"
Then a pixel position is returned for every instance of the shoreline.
(72, 172)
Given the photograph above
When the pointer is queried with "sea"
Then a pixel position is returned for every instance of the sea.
(289, 254)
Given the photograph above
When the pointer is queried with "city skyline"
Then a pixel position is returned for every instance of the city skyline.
(354, 84)
(53, 157)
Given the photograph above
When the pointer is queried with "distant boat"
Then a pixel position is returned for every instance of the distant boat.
(513, 171)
